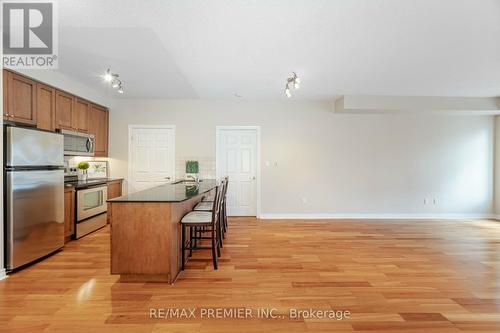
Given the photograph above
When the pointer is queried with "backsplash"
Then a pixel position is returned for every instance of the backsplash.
(206, 166)
(72, 161)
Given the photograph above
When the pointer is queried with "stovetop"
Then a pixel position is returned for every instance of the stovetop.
(79, 184)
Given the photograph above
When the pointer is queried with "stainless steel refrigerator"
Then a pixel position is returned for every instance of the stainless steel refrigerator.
(34, 194)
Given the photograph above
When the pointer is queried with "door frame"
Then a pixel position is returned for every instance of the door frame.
(218, 132)
(129, 166)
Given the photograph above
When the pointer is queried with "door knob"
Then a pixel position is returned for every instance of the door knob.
(167, 178)
(252, 178)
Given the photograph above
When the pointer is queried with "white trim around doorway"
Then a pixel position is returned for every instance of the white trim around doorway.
(218, 130)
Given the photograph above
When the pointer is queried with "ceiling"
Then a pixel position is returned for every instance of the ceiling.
(214, 49)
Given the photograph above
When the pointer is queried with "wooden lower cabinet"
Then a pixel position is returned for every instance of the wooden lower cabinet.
(114, 191)
(69, 213)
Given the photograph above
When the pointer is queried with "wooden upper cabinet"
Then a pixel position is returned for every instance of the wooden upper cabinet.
(21, 94)
(65, 105)
(5, 93)
(45, 107)
(98, 125)
(30, 102)
(81, 116)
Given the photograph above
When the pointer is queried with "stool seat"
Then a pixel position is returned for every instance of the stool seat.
(204, 206)
(197, 217)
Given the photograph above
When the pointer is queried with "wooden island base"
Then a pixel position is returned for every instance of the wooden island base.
(145, 239)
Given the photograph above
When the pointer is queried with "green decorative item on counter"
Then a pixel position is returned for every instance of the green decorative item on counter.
(192, 167)
(83, 165)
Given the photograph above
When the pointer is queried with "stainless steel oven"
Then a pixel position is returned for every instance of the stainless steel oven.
(91, 209)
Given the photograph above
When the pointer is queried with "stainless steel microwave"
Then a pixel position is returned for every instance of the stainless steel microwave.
(78, 144)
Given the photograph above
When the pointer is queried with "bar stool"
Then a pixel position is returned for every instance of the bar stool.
(208, 206)
(209, 220)
(210, 196)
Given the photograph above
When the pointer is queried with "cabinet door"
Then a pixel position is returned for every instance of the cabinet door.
(114, 189)
(81, 116)
(69, 213)
(64, 110)
(45, 107)
(98, 125)
(22, 99)
(5, 83)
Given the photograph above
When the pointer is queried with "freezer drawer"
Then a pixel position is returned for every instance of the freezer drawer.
(31, 148)
(35, 215)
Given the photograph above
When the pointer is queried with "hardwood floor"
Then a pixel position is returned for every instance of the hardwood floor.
(393, 276)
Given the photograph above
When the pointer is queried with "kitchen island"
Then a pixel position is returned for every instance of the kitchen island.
(145, 230)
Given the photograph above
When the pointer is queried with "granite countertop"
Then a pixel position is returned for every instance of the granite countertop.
(80, 184)
(176, 191)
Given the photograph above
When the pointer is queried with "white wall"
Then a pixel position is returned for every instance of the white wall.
(345, 165)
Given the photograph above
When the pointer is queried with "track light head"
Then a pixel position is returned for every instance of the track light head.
(108, 77)
(113, 80)
(292, 81)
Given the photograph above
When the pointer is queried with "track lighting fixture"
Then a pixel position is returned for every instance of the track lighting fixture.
(114, 80)
(292, 82)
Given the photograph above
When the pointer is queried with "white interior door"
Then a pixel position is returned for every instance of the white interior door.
(237, 158)
(151, 157)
